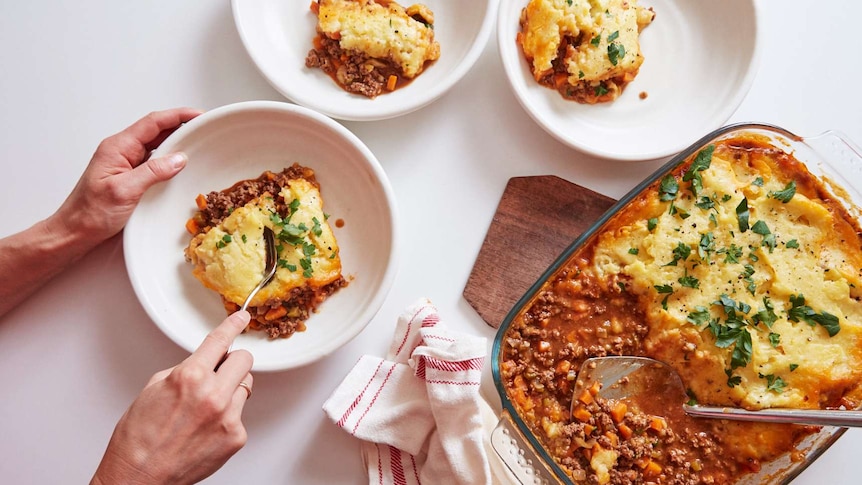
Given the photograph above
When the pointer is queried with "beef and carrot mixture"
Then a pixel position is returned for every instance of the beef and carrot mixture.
(371, 47)
(738, 270)
(228, 252)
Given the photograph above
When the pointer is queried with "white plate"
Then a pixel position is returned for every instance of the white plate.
(278, 35)
(238, 142)
(700, 58)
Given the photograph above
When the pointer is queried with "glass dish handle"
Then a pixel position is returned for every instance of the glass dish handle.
(518, 455)
(843, 156)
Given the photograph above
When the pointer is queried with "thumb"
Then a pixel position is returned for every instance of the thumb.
(157, 170)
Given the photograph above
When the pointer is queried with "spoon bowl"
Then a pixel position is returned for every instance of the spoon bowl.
(640, 379)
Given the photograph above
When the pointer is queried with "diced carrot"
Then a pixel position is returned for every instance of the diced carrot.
(657, 423)
(563, 367)
(595, 388)
(544, 346)
(625, 431)
(201, 201)
(618, 412)
(390, 83)
(192, 226)
(652, 469)
(275, 313)
(642, 462)
(560, 79)
(586, 397)
(315, 7)
(613, 438)
(581, 414)
(588, 429)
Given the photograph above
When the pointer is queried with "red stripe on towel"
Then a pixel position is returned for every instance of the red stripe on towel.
(459, 366)
(395, 465)
(355, 402)
(407, 330)
(430, 320)
(374, 399)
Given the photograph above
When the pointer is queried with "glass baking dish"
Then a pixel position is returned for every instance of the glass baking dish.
(830, 156)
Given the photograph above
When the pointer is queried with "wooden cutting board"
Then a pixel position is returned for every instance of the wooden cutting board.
(536, 219)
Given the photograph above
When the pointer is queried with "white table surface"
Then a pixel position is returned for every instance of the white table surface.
(74, 356)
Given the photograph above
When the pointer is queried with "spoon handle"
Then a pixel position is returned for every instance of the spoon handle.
(819, 417)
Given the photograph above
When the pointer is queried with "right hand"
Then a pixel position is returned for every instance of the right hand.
(186, 423)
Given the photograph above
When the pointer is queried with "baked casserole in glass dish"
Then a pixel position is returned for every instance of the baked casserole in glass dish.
(739, 264)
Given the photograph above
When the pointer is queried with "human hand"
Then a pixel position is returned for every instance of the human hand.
(186, 423)
(119, 174)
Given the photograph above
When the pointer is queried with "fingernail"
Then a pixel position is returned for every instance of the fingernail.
(177, 160)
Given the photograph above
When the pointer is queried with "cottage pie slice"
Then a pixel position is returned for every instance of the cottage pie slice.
(588, 50)
(228, 253)
(370, 47)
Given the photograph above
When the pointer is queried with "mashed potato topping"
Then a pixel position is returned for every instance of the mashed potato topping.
(758, 247)
(372, 46)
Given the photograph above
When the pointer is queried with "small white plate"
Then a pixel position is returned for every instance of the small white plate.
(700, 58)
(238, 142)
(278, 35)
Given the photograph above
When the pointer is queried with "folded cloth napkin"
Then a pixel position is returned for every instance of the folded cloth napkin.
(418, 411)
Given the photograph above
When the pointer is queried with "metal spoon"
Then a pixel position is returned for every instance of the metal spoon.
(633, 377)
(269, 266)
(268, 273)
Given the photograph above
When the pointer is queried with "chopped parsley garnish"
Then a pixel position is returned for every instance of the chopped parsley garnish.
(732, 380)
(282, 263)
(732, 254)
(701, 162)
(767, 315)
(616, 51)
(758, 182)
(742, 215)
(713, 220)
(595, 40)
(316, 229)
(761, 228)
(622, 286)
(725, 197)
(569, 2)
(663, 288)
(774, 383)
(793, 367)
(699, 316)
(581, 74)
(601, 90)
(680, 253)
(651, 223)
(614, 36)
(224, 241)
(706, 246)
(774, 339)
(801, 311)
(786, 194)
(689, 281)
(705, 203)
(633, 251)
(793, 243)
(668, 188)
(244, 239)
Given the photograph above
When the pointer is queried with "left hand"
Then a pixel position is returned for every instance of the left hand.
(118, 175)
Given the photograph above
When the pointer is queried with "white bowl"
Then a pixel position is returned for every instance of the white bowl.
(278, 35)
(700, 58)
(241, 141)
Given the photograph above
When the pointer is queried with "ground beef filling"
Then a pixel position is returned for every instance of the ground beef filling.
(354, 71)
(282, 317)
(577, 317)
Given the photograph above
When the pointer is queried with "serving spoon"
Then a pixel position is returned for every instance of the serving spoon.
(638, 377)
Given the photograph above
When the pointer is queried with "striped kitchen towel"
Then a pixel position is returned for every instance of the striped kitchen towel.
(417, 412)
